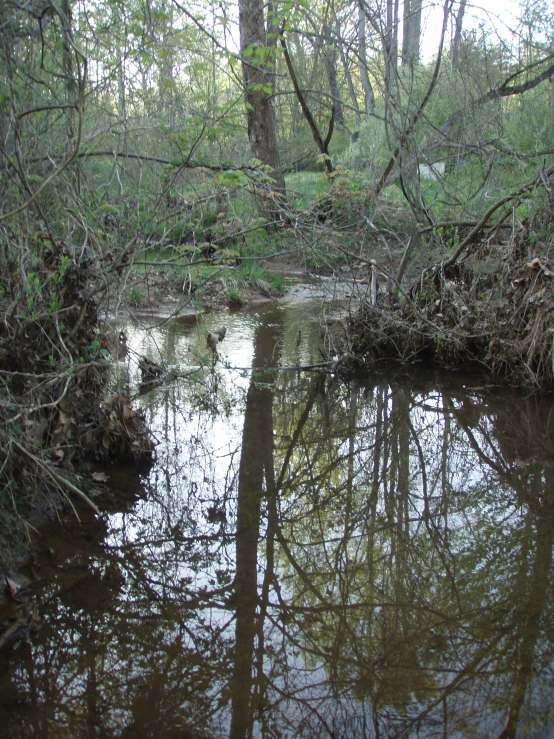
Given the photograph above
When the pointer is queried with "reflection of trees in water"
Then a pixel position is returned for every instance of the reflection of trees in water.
(405, 580)
(335, 560)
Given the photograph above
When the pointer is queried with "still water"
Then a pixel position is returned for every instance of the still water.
(306, 558)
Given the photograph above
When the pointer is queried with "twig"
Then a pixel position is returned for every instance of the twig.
(58, 478)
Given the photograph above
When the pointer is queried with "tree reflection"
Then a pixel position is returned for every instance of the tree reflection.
(255, 473)
(307, 558)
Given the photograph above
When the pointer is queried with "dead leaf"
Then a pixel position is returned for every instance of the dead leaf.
(63, 425)
(128, 412)
(537, 296)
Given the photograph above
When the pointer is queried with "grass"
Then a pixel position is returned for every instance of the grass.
(135, 296)
(234, 296)
(278, 283)
(251, 271)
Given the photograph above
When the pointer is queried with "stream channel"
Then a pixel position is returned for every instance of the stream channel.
(306, 557)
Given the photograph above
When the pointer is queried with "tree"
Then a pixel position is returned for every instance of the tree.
(457, 38)
(369, 95)
(412, 32)
(256, 60)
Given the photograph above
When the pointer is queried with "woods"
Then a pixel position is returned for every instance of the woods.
(123, 119)
(157, 142)
(272, 529)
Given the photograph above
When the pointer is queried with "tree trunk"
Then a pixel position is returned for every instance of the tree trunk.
(330, 57)
(412, 32)
(261, 129)
(390, 45)
(369, 95)
(458, 34)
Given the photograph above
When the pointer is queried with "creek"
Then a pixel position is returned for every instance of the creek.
(306, 557)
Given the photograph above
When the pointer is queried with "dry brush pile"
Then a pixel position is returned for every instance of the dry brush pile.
(493, 307)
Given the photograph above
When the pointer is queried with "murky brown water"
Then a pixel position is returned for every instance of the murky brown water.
(306, 559)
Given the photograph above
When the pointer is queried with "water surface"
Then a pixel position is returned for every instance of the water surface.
(307, 558)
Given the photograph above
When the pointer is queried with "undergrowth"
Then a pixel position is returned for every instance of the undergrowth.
(495, 310)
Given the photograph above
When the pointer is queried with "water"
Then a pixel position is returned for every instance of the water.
(306, 558)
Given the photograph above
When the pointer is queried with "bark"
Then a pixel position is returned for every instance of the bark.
(412, 32)
(456, 41)
(369, 95)
(390, 44)
(261, 128)
(347, 74)
(68, 70)
(72, 90)
(330, 56)
(322, 144)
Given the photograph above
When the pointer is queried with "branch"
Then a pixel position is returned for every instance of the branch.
(82, 77)
(321, 145)
(185, 165)
(513, 196)
(501, 91)
(330, 129)
(419, 112)
(60, 479)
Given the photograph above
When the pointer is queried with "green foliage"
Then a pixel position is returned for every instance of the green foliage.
(369, 151)
(251, 270)
(135, 296)
(96, 352)
(234, 297)
(304, 187)
(43, 294)
(258, 243)
(278, 283)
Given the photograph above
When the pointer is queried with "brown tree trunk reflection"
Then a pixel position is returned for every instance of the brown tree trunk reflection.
(255, 466)
(533, 597)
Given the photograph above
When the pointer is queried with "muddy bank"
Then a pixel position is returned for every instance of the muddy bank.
(170, 294)
(56, 410)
